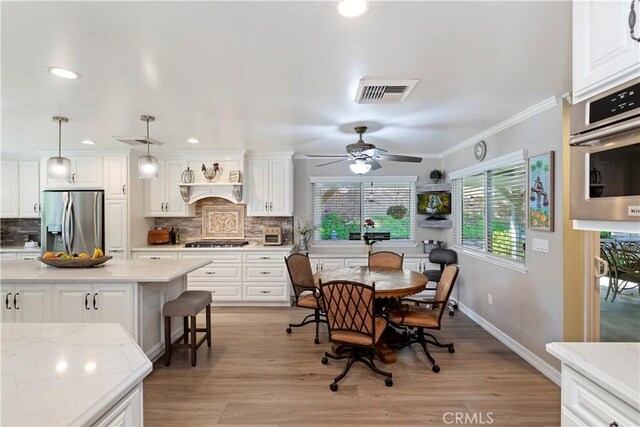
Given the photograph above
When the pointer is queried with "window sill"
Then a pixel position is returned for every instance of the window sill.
(360, 244)
(521, 268)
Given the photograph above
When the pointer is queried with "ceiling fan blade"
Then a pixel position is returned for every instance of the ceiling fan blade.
(373, 152)
(375, 165)
(327, 155)
(399, 158)
(335, 161)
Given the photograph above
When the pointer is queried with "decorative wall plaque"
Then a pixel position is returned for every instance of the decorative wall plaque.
(223, 222)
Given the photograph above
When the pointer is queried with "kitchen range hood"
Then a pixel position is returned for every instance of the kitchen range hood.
(191, 193)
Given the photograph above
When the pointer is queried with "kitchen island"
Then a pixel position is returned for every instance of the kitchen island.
(129, 292)
(71, 374)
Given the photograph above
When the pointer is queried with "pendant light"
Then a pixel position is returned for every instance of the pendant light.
(360, 167)
(59, 167)
(147, 165)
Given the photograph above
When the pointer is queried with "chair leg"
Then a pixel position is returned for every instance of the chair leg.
(185, 327)
(317, 319)
(350, 362)
(193, 341)
(167, 341)
(371, 365)
(436, 342)
(208, 313)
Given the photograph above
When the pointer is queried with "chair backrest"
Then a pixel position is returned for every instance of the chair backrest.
(386, 259)
(300, 273)
(445, 286)
(443, 257)
(349, 307)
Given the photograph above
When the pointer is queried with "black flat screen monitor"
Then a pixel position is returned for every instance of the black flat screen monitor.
(435, 202)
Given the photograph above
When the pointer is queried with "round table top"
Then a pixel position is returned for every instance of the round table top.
(390, 282)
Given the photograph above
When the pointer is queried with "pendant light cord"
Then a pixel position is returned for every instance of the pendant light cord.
(148, 142)
(59, 138)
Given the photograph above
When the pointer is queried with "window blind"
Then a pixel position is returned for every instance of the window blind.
(474, 211)
(339, 208)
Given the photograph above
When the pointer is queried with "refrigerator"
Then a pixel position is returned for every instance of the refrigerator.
(72, 221)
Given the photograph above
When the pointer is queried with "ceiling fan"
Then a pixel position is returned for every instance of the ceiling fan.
(365, 156)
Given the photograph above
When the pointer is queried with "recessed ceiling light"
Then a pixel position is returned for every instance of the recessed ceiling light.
(352, 8)
(88, 142)
(63, 72)
(193, 140)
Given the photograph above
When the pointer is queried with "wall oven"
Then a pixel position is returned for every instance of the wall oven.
(605, 156)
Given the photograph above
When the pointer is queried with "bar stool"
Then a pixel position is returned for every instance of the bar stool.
(187, 305)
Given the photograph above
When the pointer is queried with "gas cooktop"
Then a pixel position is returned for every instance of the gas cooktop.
(216, 244)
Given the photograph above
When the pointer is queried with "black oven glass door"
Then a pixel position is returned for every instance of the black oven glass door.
(615, 172)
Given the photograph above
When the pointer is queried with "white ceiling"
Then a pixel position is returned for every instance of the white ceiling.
(275, 75)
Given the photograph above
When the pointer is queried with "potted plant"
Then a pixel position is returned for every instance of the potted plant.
(436, 175)
(304, 228)
(397, 211)
(369, 225)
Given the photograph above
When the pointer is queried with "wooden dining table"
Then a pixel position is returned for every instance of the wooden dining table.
(390, 284)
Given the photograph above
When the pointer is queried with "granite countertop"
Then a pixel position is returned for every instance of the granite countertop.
(181, 248)
(613, 366)
(20, 249)
(66, 373)
(115, 270)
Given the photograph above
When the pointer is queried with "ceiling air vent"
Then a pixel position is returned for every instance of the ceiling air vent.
(373, 90)
(137, 140)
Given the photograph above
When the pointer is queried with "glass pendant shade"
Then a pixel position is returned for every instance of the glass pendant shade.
(59, 168)
(360, 167)
(148, 167)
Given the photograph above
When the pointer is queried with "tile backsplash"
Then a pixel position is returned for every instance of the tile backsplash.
(191, 228)
(9, 228)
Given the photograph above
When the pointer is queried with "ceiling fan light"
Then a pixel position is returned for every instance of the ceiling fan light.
(59, 168)
(148, 167)
(352, 8)
(360, 167)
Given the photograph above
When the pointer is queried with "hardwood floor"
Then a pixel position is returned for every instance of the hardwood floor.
(256, 374)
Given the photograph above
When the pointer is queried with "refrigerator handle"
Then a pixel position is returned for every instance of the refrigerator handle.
(64, 226)
(70, 220)
(97, 219)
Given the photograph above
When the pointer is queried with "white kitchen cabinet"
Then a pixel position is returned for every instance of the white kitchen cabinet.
(159, 255)
(356, 262)
(6, 292)
(94, 304)
(319, 264)
(162, 195)
(28, 256)
(604, 55)
(270, 186)
(127, 412)
(32, 303)
(117, 228)
(9, 193)
(86, 173)
(29, 188)
(9, 255)
(116, 177)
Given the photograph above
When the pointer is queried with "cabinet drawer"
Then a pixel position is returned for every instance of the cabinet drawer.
(8, 255)
(219, 291)
(265, 257)
(232, 258)
(356, 262)
(155, 255)
(217, 273)
(268, 272)
(28, 257)
(593, 404)
(265, 291)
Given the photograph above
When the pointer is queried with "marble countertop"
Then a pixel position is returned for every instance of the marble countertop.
(181, 248)
(66, 373)
(20, 249)
(613, 366)
(113, 271)
(359, 251)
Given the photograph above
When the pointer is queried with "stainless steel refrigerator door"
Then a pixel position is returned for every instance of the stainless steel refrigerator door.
(52, 236)
(85, 219)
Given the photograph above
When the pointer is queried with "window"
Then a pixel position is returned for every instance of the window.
(491, 211)
(340, 206)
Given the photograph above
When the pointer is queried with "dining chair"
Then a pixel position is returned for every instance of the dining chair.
(305, 291)
(385, 259)
(442, 257)
(418, 318)
(353, 325)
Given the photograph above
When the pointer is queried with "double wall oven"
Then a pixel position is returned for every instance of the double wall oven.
(605, 156)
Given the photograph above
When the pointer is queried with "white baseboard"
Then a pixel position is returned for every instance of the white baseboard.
(547, 370)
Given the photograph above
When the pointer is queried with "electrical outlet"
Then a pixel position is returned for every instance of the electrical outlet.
(490, 298)
(540, 245)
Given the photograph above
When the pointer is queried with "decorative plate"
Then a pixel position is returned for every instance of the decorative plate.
(74, 262)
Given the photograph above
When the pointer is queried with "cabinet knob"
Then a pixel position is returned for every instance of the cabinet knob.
(162, 207)
(86, 301)
(266, 206)
(271, 206)
(632, 25)
(613, 424)
(124, 190)
(28, 258)
(166, 207)
(35, 208)
(265, 292)
(15, 301)
(265, 272)
(95, 303)
(6, 301)
(209, 272)
(265, 257)
(154, 257)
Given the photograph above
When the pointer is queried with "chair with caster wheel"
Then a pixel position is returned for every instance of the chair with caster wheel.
(307, 295)
(385, 259)
(443, 257)
(418, 318)
(353, 325)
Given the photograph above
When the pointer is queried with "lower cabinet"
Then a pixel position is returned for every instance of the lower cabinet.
(26, 303)
(319, 264)
(94, 304)
(127, 412)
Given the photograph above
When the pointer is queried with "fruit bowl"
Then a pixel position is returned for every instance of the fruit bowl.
(74, 262)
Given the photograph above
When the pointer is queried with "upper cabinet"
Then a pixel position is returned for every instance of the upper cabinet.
(162, 195)
(116, 177)
(604, 54)
(29, 187)
(86, 172)
(9, 198)
(270, 186)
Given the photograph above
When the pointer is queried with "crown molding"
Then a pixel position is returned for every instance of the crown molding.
(298, 156)
(524, 115)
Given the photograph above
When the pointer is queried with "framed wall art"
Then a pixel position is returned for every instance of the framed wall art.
(223, 222)
(540, 207)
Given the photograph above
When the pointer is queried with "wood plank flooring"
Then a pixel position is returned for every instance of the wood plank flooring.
(256, 374)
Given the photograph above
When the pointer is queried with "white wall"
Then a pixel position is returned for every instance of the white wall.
(527, 306)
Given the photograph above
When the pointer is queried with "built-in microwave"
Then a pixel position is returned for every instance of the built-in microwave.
(605, 156)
